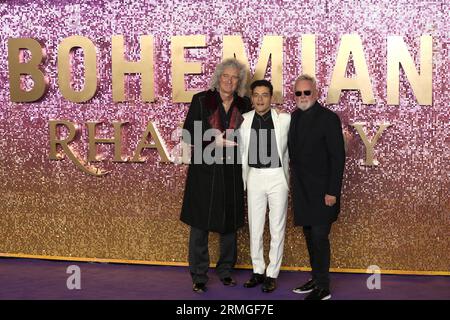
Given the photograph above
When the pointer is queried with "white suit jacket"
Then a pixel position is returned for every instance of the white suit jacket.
(281, 126)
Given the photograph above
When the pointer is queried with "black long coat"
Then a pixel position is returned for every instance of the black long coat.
(317, 157)
(214, 193)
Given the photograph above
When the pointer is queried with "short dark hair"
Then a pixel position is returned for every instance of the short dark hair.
(262, 83)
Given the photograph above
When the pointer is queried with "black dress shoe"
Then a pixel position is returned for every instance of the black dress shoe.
(199, 287)
(269, 284)
(319, 294)
(228, 281)
(254, 280)
(306, 288)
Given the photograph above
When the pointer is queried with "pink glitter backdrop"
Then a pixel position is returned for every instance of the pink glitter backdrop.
(396, 215)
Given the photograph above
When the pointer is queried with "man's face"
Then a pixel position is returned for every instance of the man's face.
(261, 99)
(305, 101)
(229, 80)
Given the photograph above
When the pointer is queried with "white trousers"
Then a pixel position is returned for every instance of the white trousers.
(267, 186)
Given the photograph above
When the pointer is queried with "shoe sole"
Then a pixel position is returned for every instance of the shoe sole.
(302, 292)
(199, 291)
(204, 289)
(328, 297)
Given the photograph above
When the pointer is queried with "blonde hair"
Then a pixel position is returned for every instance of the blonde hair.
(233, 63)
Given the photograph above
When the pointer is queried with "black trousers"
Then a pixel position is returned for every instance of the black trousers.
(319, 253)
(199, 255)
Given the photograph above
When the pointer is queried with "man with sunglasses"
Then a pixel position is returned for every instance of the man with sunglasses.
(316, 150)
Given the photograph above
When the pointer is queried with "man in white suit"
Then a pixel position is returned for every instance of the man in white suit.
(265, 172)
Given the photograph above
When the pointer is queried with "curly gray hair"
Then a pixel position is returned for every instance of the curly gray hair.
(233, 63)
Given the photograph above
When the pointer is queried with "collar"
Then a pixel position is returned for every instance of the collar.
(310, 110)
(266, 116)
(213, 100)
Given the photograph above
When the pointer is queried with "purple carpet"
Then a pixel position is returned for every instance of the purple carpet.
(42, 279)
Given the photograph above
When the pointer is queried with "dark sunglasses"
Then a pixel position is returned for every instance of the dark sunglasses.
(306, 93)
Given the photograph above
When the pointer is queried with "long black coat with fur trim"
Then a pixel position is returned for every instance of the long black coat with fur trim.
(214, 193)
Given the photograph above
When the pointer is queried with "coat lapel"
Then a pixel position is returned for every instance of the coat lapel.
(276, 127)
(213, 104)
(247, 127)
(292, 130)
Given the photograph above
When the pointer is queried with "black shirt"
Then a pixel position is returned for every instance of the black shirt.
(263, 152)
(225, 117)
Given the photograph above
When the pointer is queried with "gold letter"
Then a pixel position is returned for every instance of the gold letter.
(33, 68)
(64, 143)
(120, 67)
(116, 141)
(159, 144)
(54, 141)
(309, 54)
(181, 152)
(350, 45)
(181, 67)
(370, 161)
(421, 84)
(271, 48)
(65, 71)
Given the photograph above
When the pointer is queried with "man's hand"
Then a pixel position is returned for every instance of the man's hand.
(330, 200)
(221, 142)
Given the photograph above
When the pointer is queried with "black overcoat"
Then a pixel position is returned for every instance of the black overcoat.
(214, 193)
(317, 157)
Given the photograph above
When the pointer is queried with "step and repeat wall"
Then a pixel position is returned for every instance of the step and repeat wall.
(93, 94)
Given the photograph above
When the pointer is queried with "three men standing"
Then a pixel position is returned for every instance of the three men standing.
(311, 137)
